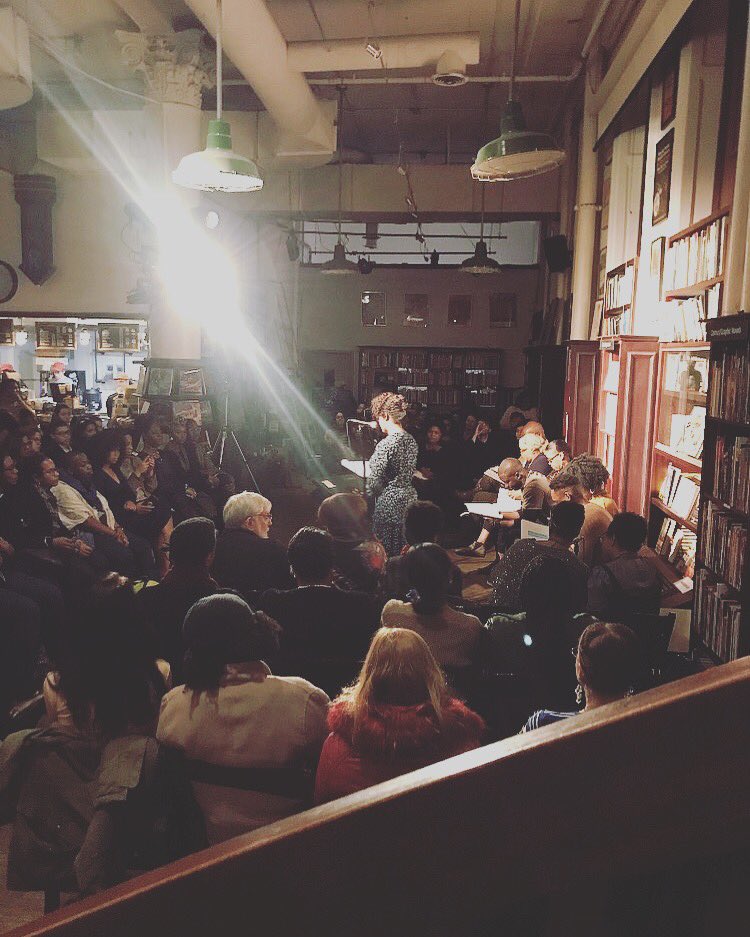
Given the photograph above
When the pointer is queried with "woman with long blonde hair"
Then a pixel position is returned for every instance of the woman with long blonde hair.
(398, 716)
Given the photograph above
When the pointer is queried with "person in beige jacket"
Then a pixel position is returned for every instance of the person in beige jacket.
(251, 739)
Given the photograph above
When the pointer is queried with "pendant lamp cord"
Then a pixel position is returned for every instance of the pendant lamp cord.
(219, 64)
(481, 217)
(516, 29)
(341, 157)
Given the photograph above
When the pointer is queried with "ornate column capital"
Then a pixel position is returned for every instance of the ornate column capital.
(177, 66)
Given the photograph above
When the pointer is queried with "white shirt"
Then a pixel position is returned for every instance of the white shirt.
(75, 510)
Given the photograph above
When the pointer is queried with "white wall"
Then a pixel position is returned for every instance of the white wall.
(330, 312)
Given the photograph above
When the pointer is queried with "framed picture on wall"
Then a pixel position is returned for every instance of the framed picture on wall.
(669, 92)
(373, 309)
(662, 178)
(416, 310)
(656, 269)
(459, 311)
(503, 310)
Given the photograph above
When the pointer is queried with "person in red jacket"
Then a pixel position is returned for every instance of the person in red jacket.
(397, 717)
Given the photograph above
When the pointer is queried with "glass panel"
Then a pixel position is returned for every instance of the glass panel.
(682, 411)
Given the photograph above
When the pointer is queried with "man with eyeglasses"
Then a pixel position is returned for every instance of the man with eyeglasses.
(246, 559)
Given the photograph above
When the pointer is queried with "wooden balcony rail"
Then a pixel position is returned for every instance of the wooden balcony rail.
(639, 787)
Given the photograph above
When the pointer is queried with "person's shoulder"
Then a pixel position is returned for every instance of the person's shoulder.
(300, 688)
(545, 717)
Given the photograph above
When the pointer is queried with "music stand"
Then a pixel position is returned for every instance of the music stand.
(228, 434)
(364, 446)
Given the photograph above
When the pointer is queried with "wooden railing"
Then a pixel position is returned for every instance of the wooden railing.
(633, 789)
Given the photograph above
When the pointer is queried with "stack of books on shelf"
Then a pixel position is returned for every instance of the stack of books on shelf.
(680, 491)
(480, 378)
(723, 543)
(696, 257)
(618, 290)
(412, 359)
(445, 377)
(718, 615)
(485, 397)
(730, 385)
(677, 545)
(616, 325)
(444, 396)
(378, 359)
(413, 377)
(732, 473)
(480, 360)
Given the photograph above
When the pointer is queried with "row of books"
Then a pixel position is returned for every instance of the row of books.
(414, 394)
(730, 385)
(485, 397)
(446, 377)
(444, 396)
(616, 325)
(480, 359)
(697, 257)
(479, 378)
(680, 491)
(677, 544)
(377, 359)
(413, 375)
(723, 543)
(413, 359)
(732, 472)
(443, 360)
(618, 288)
(717, 614)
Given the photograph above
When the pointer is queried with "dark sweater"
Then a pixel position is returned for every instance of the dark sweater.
(250, 564)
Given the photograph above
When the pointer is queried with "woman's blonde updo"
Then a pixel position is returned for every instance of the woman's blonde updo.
(388, 406)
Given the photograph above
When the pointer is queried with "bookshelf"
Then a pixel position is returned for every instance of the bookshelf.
(677, 459)
(443, 380)
(619, 292)
(694, 277)
(721, 613)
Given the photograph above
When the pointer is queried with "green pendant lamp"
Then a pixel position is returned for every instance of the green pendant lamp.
(480, 262)
(218, 168)
(517, 153)
(338, 264)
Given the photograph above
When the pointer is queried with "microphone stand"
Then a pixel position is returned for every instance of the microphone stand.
(361, 450)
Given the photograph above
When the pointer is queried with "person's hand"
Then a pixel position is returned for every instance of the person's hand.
(83, 548)
(121, 536)
(130, 506)
(68, 544)
(143, 508)
(426, 472)
(6, 548)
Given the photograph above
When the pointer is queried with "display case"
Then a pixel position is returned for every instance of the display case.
(678, 454)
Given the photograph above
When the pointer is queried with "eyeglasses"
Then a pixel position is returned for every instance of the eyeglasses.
(266, 515)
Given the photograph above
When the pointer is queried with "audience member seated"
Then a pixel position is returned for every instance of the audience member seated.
(251, 739)
(595, 476)
(139, 473)
(452, 636)
(479, 453)
(422, 524)
(86, 512)
(625, 584)
(180, 479)
(436, 465)
(62, 414)
(30, 521)
(109, 681)
(568, 485)
(246, 559)
(565, 525)
(325, 630)
(164, 605)
(149, 518)
(534, 645)
(558, 454)
(218, 484)
(58, 442)
(608, 667)
(84, 432)
(531, 446)
(399, 716)
(359, 557)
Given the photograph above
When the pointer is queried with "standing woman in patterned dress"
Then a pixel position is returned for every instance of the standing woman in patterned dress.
(392, 466)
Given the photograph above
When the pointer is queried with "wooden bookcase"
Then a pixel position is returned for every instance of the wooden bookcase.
(581, 395)
(545, 382)
(445, 380)
(721, 612)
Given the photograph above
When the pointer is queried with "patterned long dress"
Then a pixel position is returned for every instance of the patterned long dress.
(392, 466)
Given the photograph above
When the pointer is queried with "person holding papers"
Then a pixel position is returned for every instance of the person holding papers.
(392, 466)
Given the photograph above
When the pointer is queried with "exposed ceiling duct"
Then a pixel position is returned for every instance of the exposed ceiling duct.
(342, 55)
(306, 134)
(146, 15)
(15, 60)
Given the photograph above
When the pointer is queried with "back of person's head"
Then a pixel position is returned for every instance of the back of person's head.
(388, 406)
(533, 427)
(222, 629)
(628, 531)
(192, 543)
(566, 520)
(344, 516)
(310, 554)
(594, 473)
(570, 480)
(546, 591)
(609, 659)
(108, 671)
(423, 522)
(428, 570)
(399, 670)
(243, 505)
(103, 445)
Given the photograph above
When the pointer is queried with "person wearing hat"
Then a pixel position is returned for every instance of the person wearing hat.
(191, 553)
(251, 740)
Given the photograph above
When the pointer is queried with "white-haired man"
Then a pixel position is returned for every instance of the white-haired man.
(246, 560)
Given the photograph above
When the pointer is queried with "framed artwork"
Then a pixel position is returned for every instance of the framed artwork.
(191, 382)
(503, 310)
(656, 269)
(459, 311)
(416, 310)
(662, 178)
(159, 382)
(117, 337)
(55, 337)
(669, 92)
(596, 321)
(187, 410)
(373, 309)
